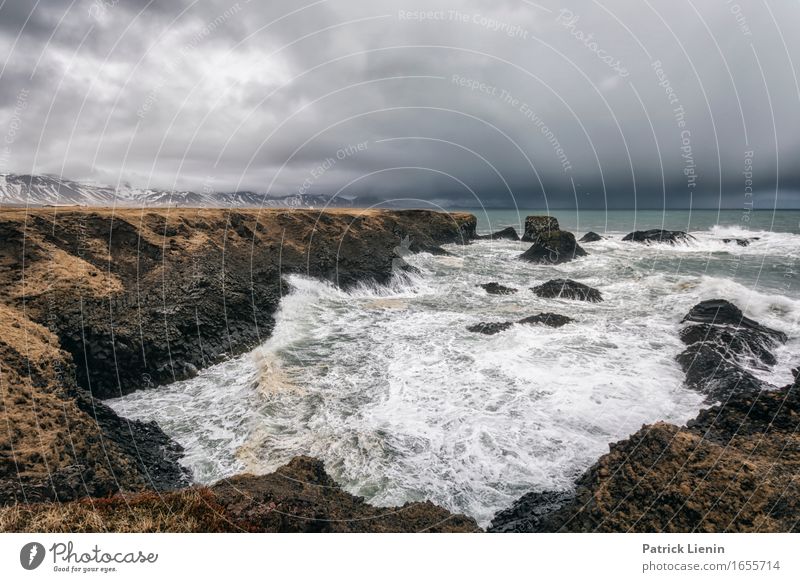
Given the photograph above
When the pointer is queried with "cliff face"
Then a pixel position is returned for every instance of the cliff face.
(97, 303)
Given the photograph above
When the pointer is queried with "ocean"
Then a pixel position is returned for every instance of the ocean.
(387, 386)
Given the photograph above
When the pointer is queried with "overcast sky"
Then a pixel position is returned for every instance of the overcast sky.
(609, 103)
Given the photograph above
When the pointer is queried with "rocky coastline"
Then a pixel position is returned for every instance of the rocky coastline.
(113, 301)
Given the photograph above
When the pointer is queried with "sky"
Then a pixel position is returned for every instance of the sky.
(502, 103)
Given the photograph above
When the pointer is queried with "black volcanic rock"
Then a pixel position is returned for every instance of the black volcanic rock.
(508, 233)
(490, 328)
(495, 288)
(553, 248)
(567, 289)
(590, 237)
(538, 225)
(657, 235)
(548, 319)
(722, 344)
(722, 312)
(529, 512)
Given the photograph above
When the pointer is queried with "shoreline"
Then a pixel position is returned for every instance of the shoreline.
(149, 279)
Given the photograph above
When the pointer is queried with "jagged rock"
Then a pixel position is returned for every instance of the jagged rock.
(722, 343)
(548, 319)
(529, 511)
(722, 312)
(657, 235)
(553, 248)
(495, 288)
(567, 289)
(539, 225)
(508, 233)
(590, 237)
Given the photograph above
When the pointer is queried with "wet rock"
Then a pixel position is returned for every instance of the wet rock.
(656, 235)
(495, 288)
(508, 233)
(490, 328)
(553, 248)
(567, 289)
(548, 319)
(722, 312)
(722, 344)
(539, 225)
(590, 237)
(742, 242)
(529, 512)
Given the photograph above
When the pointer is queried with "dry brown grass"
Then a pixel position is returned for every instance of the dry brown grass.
(186, 511)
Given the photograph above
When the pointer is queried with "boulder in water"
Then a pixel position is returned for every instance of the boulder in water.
(590, 237)
(490, 328)
(656, 235)
(567, 289)
(495, 288)
(548, 319)
(553, 248)
(722, 344)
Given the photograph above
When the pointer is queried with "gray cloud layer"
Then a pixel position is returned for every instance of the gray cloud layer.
(595, 104)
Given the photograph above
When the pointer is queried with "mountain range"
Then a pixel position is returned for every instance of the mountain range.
(49, 190)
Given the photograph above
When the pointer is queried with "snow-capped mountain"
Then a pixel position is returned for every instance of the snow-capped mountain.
(42, 190)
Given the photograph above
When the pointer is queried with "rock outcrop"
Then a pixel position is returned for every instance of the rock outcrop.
(722, 345)
(657, 235)
(553, 248)
(539, 225)
(567, 289)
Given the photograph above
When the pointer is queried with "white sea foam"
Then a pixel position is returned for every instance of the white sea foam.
(386, 385)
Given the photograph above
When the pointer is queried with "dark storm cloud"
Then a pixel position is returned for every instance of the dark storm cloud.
(590, 103)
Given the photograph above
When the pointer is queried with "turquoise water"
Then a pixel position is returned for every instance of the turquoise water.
(615, 221)
(769, 264)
